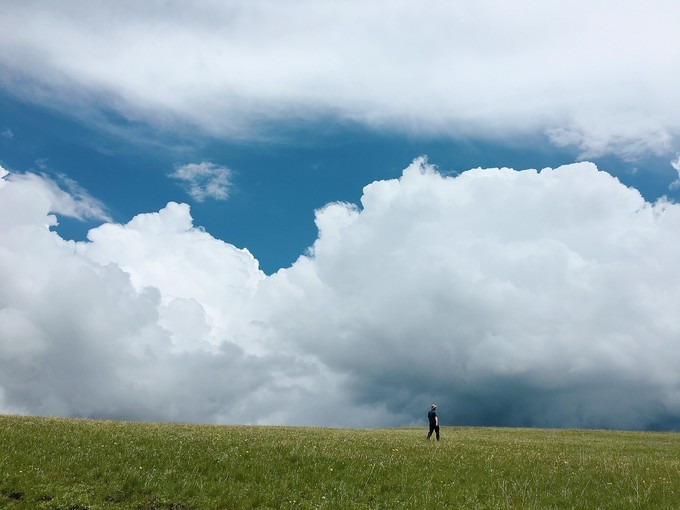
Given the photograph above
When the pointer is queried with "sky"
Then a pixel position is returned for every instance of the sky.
(337, 213)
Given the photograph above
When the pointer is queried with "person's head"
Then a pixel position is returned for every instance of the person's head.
(434, 406)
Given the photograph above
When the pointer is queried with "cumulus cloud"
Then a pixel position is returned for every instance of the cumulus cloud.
(598, 75)
(508, 297)
(204, 180)
(143, 321)
(203, 277)
(522, 298)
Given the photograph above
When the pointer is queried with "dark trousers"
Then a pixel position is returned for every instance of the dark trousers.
(433, 428)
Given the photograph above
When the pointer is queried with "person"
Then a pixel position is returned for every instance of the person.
(434, 422)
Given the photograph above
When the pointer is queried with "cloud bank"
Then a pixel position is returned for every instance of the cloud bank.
(508, 297)
(596, 75)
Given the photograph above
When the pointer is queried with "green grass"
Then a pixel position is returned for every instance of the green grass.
(77, 464)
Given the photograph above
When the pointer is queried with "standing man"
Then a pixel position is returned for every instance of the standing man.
(434, 422)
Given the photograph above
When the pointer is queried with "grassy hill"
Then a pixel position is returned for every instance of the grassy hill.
(79, 464)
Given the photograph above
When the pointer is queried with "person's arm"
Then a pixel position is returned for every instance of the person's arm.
(436, 420)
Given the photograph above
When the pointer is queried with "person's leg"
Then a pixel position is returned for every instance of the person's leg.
(436, 429)
(430, 432)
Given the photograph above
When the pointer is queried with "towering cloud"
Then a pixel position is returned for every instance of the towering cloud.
(509, 297)
(512, 297)
(144, 321)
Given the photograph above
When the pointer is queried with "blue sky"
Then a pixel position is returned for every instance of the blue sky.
(370, 158)
(276, 184)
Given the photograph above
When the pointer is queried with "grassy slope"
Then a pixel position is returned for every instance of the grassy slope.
(77, 464)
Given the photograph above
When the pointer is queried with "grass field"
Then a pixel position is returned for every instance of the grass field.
(78, 464)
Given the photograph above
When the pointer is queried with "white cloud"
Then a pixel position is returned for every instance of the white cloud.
(521, 298)
(204, 180)
(676, 166)
(517, 298)
(195, 273)
(7, 133)
(147, 320)
(48, 197)
(598, 75)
